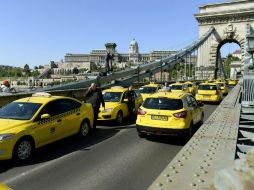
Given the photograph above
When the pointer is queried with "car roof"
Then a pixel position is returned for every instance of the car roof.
(177, 83)
(151, 85)
(173, 95)
(116, 89)
(214, 84)
(42, 100)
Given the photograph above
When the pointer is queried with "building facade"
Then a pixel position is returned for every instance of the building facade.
(121, 60)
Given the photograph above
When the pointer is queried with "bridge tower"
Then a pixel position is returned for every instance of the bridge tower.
(229, 20)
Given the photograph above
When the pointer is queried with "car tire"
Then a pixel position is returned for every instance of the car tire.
(141, 135)
(84, 129)
(23, 149)
(202, 119)
(189, 133)
(119, 117)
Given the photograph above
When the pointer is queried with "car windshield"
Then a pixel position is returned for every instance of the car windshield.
(177, 87)
(112, 96)
(19, 110)
(189, 85)
(207, 87)
(148, 90)
(163, 104)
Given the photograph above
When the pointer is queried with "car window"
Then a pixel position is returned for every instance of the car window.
(163, 104)
(50, 108)
(112, 96)
(194, 102)
(207, 87)
(148, 90)
(189, 102)
(66, 105)
(19, 110)
(176, 87)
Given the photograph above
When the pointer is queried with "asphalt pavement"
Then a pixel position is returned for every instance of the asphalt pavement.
(112, 158)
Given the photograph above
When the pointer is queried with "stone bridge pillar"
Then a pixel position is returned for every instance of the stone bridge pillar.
(229, 20)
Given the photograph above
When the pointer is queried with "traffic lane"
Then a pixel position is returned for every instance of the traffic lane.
(118, 160)
(121, 161)
(56, 150)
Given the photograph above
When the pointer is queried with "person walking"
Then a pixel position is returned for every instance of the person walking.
(94, 96)
(5, 87)
(130, 95)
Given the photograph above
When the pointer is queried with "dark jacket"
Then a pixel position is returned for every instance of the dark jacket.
(130, 95)
(95, 98)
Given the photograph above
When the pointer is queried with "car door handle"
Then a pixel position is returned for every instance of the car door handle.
(59, 120)
(78, 114)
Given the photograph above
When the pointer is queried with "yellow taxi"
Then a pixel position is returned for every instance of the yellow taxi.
(116, 105)
(209, 92)
(169, 113)
(191, 87)
(179, 87)
(232, 82)
(4, 187)
(223, 88)
(149, 89)
(32, 122)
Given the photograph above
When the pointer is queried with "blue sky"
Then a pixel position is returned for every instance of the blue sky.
(35, 32)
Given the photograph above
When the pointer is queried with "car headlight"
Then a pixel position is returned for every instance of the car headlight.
(6, 136)
(107, 110)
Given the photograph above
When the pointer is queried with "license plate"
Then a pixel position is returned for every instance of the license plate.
(159, 117)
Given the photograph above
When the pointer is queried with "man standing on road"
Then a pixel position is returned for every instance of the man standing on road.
(94, 96)
(130, 95)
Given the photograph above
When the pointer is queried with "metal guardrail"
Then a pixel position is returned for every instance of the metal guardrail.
(210, 149)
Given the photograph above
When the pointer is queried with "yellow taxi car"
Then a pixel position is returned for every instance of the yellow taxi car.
(149, 89)
(223, 88)
(116, 105)
(4, 187)
(32, 122)
(209, 92)
(191, 87)
(169, 113)
(179, 87)
(232, 82)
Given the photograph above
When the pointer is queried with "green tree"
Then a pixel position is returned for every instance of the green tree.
(228, 62)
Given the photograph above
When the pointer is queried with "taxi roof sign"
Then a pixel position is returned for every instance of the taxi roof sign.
(41, 94)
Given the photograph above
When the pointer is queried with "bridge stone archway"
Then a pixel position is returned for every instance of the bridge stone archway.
(229, 21)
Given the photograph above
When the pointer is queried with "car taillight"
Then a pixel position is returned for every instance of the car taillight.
(141, 112)
(182, 114)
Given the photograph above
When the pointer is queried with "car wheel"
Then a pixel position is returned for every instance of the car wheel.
(119, 117)
(84, 129)
(23, 149)
(141, 135)
(189, 132)
(202, 119)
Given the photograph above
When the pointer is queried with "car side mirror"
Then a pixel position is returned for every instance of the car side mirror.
(125, 100)
(45, 116)
(200, 104)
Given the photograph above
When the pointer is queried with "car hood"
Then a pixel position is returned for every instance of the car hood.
(109, 105)
(7, 124)
(144, 96)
